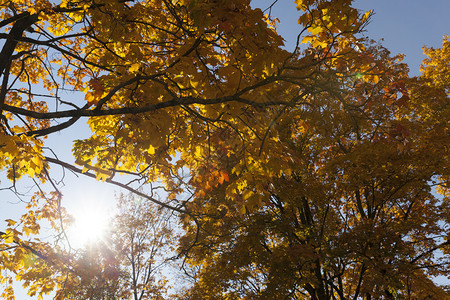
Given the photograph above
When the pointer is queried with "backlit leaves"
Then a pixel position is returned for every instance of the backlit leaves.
(351, 212)
(320, 159)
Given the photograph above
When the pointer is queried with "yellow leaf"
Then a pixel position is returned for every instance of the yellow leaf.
(376, 79)
(134, 67)
(194, 84)
(101, 176)
(366, 16)
(307, 39)
(9, 237)
(241, 185)
(18, 129)
(151, 150)
(90, 98)
(299, 4)
(318, 43)
(316, 30)
(10, 222)
(247, 195)
(198, 151)
(27, 230)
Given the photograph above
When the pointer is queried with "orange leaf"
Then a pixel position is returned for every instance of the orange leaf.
(225, 175)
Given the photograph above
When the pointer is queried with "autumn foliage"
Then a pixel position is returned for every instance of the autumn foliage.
(320, 173)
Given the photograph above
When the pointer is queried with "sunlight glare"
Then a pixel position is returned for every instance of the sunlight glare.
(91, 222)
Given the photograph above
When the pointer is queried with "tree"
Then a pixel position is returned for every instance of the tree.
(157, 89)
(125, 264)
(357, 215)
(144, 238)
(170, 86)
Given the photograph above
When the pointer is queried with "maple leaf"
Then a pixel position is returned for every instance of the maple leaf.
(305, 173)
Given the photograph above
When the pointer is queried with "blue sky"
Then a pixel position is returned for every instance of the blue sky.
(405, 26)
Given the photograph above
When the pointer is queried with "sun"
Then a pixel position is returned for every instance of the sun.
(90, 224)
